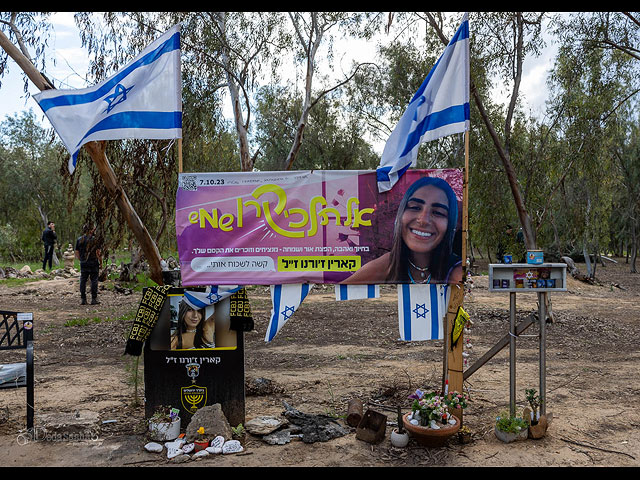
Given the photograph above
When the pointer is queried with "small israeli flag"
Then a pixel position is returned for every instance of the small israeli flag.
(285, 300)
(357, 292)
(421, 310)
(212, 294)
(142, 100)
(439, 108)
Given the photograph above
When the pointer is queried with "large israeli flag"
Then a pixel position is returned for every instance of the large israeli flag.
(421, 311)
(142, 100)
(440, 107)
(285, 300)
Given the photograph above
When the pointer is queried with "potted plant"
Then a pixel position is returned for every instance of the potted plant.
(201, 441)
(537, 423)
(457, 402)
(509, 429)
(164, 424)
(464, 435)
(399, 436)
(430, 421)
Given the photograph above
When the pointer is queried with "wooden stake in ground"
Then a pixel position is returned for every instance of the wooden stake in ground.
(453, 355)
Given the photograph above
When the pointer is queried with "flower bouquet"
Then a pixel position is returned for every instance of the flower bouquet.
(430, 421)
(457, 402)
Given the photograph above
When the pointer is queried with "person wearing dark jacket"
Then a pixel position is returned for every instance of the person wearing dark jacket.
(88, 253)
(49, 238)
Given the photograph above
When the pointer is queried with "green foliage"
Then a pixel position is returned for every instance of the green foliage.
(506, 423)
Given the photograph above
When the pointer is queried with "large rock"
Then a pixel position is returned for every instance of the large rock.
(213, 421)
(264, 425)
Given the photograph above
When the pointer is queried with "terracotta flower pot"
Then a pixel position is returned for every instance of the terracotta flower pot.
(430, 437)
(201, 444)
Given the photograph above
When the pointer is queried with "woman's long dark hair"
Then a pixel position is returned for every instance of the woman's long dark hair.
(182, 326)
(441, 255)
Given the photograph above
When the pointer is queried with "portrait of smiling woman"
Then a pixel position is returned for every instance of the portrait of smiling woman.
(423, 235)
(193, 331)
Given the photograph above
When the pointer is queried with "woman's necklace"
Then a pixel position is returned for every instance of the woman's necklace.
(190, 331)
(422, 281)
(423, 271)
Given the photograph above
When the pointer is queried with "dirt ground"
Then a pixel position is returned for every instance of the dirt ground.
(331, 352)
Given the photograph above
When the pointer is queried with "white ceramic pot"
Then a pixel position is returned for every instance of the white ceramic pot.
(399, 440)
(165, 431)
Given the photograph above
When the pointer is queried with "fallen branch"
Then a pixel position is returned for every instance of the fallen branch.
(596, 448)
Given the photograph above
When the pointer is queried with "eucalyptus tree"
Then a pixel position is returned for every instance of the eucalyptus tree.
(595, 83)
(32, 193)
(333, 139)
(627, 214)
(310, 31)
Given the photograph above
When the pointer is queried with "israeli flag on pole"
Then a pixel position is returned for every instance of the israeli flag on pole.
(357, 292)
(285, 300)
(421, 310)
(142, 100)
(440, 107)
(212, 294)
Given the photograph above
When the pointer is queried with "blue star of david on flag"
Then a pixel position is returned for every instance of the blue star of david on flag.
(288, 312)
(117, 97)
(421, 311)
(213, 296)
(285, 301)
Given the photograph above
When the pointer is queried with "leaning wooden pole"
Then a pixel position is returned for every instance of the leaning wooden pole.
(97, 152)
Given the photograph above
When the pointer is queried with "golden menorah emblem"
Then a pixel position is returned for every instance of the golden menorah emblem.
(193, 397)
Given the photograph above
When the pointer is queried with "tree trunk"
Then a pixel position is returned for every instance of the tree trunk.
(587, 260)
(634, 248)
(96, 151)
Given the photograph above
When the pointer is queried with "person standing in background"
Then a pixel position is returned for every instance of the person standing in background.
(49, 238)
(88, 253)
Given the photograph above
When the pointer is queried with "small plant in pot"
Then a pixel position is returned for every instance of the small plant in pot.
(538, 423)
(202, 440)
(399, 436)
(164, 424)
(509, 429)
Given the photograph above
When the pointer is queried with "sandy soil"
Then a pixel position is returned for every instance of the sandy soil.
(331, 352)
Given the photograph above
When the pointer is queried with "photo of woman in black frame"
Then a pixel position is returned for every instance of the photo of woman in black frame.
(423, 237)
(193, 331)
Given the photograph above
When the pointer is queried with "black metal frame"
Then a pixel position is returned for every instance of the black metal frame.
(14, 335)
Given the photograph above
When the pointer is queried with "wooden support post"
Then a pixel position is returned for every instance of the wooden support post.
(502, 343)
(454, 355)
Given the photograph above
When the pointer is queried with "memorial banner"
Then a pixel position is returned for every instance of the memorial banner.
(319, 226)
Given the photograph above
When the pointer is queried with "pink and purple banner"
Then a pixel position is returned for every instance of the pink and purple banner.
(320, 226)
